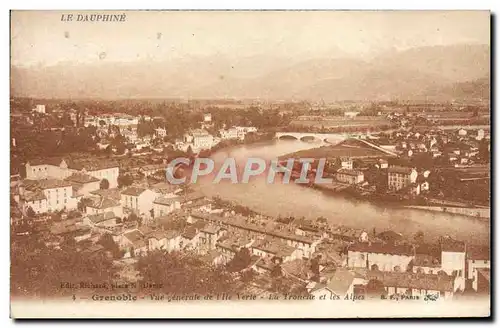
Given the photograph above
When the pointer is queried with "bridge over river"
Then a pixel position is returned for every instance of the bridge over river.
(310, 136)
(332, 138)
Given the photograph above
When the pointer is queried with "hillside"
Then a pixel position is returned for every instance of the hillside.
(441, 71)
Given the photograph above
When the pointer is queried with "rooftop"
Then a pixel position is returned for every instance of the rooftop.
(438, 282)
(81, 178)
(102, 203)
(400, 170)
(166, 200)
(98, 218)
(133, 191)
(340, 282)
(45, 184)
(381, 248)
(113, 193)
(478, 252)
(350, 172)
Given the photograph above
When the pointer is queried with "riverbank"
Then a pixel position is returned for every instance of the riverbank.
(348, 191)
(284, 200)
(480, 213)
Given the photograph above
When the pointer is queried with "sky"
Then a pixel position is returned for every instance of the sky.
(41, 38)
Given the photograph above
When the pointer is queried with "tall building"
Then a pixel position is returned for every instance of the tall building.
(401, 177)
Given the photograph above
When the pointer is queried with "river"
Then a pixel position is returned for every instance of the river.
(295, 200)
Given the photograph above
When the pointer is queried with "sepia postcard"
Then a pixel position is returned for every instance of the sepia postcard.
(250, 164)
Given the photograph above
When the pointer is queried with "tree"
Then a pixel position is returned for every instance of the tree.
(134, 217)
(183, 273)
(276, 271)
(110, 245)
(375, 288)
(104, 184)
(315, 266)
(419, 237)
(190, 152)
(102, 123)
(30, 212)
(41, 275)
(124, 180)
(240, 261)
(83, 203)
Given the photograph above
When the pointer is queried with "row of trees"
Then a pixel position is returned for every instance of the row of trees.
(38, 271)
(183, 273)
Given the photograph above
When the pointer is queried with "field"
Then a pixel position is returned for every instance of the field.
(329, 122)
(349, 148)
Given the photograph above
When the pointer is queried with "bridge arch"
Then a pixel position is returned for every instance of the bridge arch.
(287, 137)
(308, 138)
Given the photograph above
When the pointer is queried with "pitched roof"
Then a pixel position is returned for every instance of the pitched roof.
(91, 164)
(349, 172)
(438, 282)
(102, 203)
(400, 170)
(34, 196)
(195, 195)
(190, 232)
(475, 252)
(81, 178)
(166, 200)
(340, 281)
(133, 236)
(211, 256)
(485, 272)
(113, 193)
(98, 218)
(298, 268)
(164, 187)
(381, 248)
(56, 161)
(211, 229)
(45, 184)
(133, 191)
(164, 234)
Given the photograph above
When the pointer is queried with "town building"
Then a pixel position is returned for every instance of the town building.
(83, 184)
(383, 257)
(101, 205)
(39, 109)
(161, 132)
(229, 134)
(339, 284)
(151, 169)
(47, 195)
(164, 205)
(58, 168)
(401, 177)
(168, 240)
(346, 163)
(349, 176)
(409, 284)
(200, 139)
(453, 259)
(138, 200)
(477, 258)
(102, 222)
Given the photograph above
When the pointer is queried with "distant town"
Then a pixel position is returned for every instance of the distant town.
(90, 201)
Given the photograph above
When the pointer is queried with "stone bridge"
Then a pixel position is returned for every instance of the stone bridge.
(310, 136)
(332, 138)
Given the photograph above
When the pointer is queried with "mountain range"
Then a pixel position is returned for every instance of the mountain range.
(460, 72)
